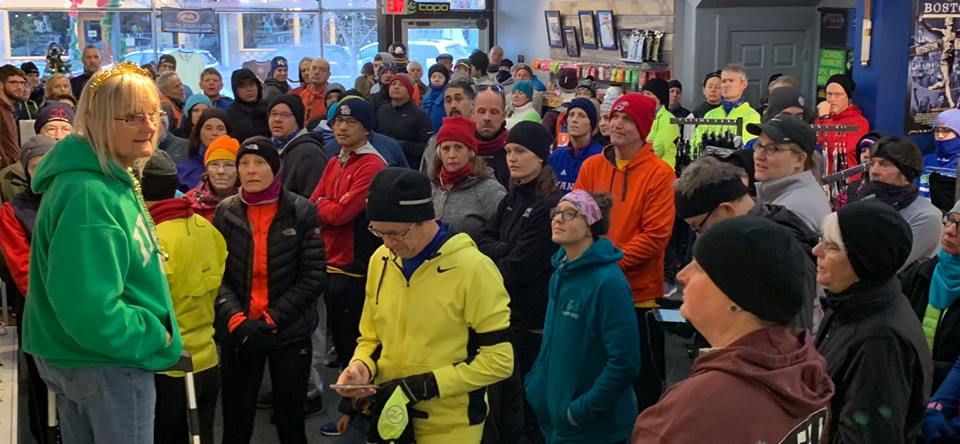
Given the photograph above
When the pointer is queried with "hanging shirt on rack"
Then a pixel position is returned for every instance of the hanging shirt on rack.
(830, 142)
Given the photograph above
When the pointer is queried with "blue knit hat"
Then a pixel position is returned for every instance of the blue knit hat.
(524, 86)
(191, 102)
(358, 109)
(949, 119)
(277, 62)
(587, 106)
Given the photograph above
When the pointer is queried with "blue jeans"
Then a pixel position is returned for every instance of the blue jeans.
(102, 405)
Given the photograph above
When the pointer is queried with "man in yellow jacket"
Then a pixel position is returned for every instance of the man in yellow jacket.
(197, 257)
(733, 105)
(433, 333)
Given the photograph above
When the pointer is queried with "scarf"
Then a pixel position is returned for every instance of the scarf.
(204, 195)
(729, 106)
(282, 143)
(945, 283)
(489, 147)
(25, 206)
(948, 149)
(448, 177)
(270, 194)
(897, 196)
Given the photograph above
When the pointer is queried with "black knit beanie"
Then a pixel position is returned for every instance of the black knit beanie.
(295, 104)
(441, 69)
(877, 239)
(159, 180)
(845, 82)
(263, 147)
(758, 264)
(659, 88)
(400, 195)
(708, 197)
(532, 136)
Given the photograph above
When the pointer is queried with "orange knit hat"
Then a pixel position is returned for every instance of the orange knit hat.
(222, 148)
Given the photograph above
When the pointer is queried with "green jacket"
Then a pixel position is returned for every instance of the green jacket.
(746, 111)
(98, 294)
(663, 135)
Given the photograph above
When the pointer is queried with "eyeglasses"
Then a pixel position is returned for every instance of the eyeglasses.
(698, 230)
(769, 150)
(394, 236)
(829, 246)
(947, 221)
(282, 114)
(345, 121)
(222, 166)
(565, 215)
(138, 119)
(494, 87)
(942, 131)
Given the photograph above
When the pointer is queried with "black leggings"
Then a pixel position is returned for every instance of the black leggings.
(171, 417)
(242, 372)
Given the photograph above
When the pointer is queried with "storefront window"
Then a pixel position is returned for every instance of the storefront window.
(30, 33)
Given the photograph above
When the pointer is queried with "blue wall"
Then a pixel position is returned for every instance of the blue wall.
(882, 86)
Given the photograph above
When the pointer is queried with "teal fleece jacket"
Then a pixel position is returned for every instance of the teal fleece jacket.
(580, 386)
(97, 296)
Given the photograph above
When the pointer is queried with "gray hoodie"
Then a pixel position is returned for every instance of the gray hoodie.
(800, 193)
(470, 205)
(926, 223)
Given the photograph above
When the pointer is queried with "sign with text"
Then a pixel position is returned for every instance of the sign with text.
(189, 21)
(932, 80)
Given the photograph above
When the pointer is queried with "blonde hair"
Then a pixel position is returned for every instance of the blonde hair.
(100, 103)
(48, 85)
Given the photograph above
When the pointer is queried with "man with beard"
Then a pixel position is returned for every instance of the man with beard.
(13, 83)
(91, 64)
(457, 101)
(894, 164)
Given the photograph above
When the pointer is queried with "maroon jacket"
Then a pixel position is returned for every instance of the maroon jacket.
(9, 136)
(770, 386)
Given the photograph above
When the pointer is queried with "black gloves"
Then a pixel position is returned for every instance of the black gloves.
(255, 336)
(391, 421)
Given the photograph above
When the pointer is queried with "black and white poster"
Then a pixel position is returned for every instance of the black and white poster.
(933, 81)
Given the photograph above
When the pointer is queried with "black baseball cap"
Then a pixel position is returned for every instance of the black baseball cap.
(787, 129)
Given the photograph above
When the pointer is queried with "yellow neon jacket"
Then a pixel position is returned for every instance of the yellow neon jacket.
(198, 255)
(453, 299)
(663, 136)
(746, 111)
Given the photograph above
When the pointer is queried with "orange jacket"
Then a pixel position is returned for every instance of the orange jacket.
(314, 103)
(641, 219)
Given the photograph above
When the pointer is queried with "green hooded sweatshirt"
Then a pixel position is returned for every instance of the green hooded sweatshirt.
(97, 296)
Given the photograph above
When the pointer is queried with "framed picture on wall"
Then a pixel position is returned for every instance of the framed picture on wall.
(588, 30)
(570, 36)
(625, 36)
(606, 31)
(554, 31)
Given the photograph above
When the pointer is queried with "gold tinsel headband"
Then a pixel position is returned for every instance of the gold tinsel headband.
(120, 68)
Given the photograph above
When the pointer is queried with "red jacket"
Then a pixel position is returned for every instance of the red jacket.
(15, 246)
(314, 101)
(832, 141)
(341, 201)
(641, 219)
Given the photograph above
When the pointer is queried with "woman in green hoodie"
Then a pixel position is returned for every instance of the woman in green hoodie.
(99, 318)
(589, 321)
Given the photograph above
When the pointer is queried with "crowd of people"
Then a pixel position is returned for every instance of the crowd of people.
(479, 266)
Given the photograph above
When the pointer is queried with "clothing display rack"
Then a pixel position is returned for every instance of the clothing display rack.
(688, 151)
(836, 169)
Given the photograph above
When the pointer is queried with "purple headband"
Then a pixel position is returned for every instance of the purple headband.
(585, 205)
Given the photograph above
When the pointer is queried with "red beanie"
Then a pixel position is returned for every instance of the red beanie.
(406, 81)
(458, 129)
(639, 108)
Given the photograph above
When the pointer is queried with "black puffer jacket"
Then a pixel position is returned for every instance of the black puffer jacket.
(915, 281)
(248, 119)
(408, 125)
(879, 362)
(518, 241)
(296, 266)
(303, 162)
